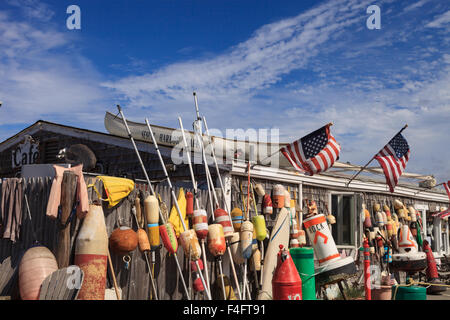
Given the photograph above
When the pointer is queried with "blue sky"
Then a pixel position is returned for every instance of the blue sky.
(292, 65)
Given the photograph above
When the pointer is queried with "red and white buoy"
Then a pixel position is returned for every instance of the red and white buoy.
(278, 196)
(286, 282)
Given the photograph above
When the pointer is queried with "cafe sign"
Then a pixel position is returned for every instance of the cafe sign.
(25, 153)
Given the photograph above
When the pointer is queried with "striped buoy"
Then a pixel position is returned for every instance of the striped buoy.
(379, 219)
(267, 204)
(287, 199)
(151, 209)
(236, 248)
(200, 222)
(324, 246)
(189, 204)
(259, 190)
(302, 238)
(91, 254)
(236, 217)
(246, 239)
(189, 242)
(278, 196)
(222, 217)
(390, 229)
(385, 220)
(169, 237)
(196, 280)
(259, 225)
(216, 240)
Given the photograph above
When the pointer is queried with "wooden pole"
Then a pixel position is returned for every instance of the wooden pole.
(68, 192)
(111, 269)
(347, 184)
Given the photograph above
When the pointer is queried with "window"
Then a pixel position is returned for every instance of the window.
(343, 207)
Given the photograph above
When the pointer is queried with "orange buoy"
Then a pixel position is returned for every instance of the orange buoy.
(286, 282)
(169, 237)
(236, 217)
(267, 204)
(222, 217)
(151, 209)
(246, 239)
(123, 240)
(189, 242)
(37, 263)
(200, 223)
(278, 196)
(367, 220)
(144, 244)
(91, 254)
(189, 204)
(390, 229)
(216, 240)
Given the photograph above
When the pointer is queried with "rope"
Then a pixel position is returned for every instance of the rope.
(412, 282)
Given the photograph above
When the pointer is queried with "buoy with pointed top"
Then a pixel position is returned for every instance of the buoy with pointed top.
(286, 282)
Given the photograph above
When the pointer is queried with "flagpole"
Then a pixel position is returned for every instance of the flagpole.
(279, 149)
(347, 184)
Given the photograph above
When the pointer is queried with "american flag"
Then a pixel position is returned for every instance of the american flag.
(313, 153)
(393, 159)
(447, 188)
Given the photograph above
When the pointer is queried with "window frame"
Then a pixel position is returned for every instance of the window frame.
(354, 228)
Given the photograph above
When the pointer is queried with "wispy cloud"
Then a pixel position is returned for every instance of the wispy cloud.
(440, 21)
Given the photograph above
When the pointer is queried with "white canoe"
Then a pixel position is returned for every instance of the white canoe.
(280, 235)
(172, 137)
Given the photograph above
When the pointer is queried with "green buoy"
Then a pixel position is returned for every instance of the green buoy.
(409, 293)
(304, 262)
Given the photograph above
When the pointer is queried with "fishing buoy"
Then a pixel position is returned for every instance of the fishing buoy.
(151, 209)
(401, 213)
(413, 214)
(331, 219)
(330, 262)
(236, 248)
(267, 205)
(295, 233)
(255, 261)
(246, 239)
(278, 196)
(260, 190)
(432, 272)
(304, 262)
(222, 217)
(367, 220)
(379, 219)
(390, 229)
(91, 254)
(189, 204)
(196, 280)
(169, 237)
(286, 282)
(216, 240)
(218, 288)
(259, 225)
(398, 204)
(409, 259)
(144, 244)
(189, 242)
(200, 222)
(302, 238)
(236, 217)
(387, 211)
(376, 208)
(380, 245)
(385, 220)
(123, 240)
(287, 199)
(37, 263)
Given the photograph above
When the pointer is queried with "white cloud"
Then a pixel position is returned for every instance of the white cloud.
(440, 21)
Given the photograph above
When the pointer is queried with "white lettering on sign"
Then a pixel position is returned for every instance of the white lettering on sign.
(297, 296)
(25, 153)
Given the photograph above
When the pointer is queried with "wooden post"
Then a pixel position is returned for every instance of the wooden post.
(68, 192)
